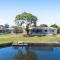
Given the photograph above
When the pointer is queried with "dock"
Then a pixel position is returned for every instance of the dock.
(36, 44)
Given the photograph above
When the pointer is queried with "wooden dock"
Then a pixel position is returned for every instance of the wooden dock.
(36, 44)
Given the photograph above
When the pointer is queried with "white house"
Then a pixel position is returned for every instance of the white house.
(38, 31)
(4, 30)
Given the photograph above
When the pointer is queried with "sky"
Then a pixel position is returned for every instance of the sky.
(47, 11)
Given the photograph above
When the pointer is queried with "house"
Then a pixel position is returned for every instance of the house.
(40, 31)
(4, 30)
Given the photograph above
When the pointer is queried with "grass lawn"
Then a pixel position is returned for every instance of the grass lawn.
(13, 37)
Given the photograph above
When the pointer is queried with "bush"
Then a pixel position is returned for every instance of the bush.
(18, 29)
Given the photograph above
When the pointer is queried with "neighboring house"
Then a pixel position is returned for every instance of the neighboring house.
(4, 30)
(38, 31)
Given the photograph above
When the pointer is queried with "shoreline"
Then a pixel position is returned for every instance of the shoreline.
(50, 44)
(5, 44)
(36, 44)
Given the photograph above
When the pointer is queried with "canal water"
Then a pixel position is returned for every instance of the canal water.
(30, 53)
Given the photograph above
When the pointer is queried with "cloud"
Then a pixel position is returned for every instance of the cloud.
(2, 20)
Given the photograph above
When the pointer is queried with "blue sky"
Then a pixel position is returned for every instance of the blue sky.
(47, 11)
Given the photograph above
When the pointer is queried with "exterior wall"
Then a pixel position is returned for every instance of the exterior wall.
(6, 31)
(45, 31)
(37, 33)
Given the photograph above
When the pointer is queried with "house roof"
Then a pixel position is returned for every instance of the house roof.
(41, 28)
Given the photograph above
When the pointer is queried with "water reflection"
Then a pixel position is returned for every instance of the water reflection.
(47, 53)
(30, 53)
(25, 54)
(38, 53)
(42, 48)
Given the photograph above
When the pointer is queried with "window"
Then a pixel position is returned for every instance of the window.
(37, 30)
(45, 30)
(52, 30)
(40, 30)
(33, 30)
(0, 31)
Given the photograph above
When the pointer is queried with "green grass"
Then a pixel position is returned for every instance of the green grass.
(5, 34)
(52, 38)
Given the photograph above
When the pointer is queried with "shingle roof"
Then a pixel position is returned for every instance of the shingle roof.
(42, 27)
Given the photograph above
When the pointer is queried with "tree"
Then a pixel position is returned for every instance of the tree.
(58, 30)
(54, 25)
(25, 17)
(27, 29)
(17, 29)
(43, 25)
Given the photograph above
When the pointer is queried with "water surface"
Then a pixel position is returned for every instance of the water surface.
(30, 53)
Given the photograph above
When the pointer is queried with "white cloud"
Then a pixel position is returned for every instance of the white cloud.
(2, 20)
